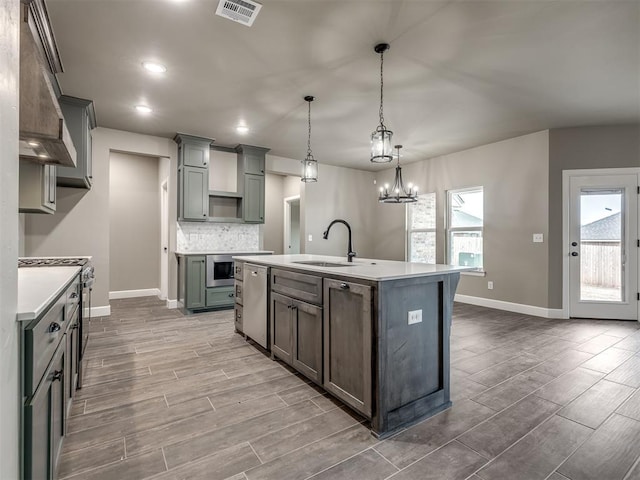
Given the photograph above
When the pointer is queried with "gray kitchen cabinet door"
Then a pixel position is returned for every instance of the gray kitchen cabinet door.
(195, 294)
(79, 116)
(281, 327)
(251, 159)
(44, 418)
(238, 317)
(194, 152)
(253, 201)
(37, 188)
(307, 340)
(72, 363)
(194, 190)
(218, 297)
(348, 343)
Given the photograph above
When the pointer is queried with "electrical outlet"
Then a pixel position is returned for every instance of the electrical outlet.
(415, 316)
(538, 238)
(310, 238)
(490, 285)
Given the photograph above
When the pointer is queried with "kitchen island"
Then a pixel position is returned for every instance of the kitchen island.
(373, 333)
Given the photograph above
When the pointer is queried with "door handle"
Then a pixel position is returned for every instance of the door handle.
(57, 375)
(254, 274)
(54, 327)
(574, 244)
(344, 286)
(574, 254)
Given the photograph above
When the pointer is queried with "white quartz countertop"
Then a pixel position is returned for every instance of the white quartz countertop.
(225, 252)
(365, 268)
(39, 286)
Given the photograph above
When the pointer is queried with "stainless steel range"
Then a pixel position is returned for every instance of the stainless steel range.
(87, 277)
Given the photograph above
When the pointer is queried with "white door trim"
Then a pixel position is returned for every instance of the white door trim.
(566, 177)
(164, 239)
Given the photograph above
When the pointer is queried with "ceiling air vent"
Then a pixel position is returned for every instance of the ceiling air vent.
(241, 11)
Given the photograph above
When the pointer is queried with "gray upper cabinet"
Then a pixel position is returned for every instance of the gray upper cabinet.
(253, 201)
(193, 177)
(193, 194)
(251, 159)
(193, 151)
(37, 188)
(80, 117)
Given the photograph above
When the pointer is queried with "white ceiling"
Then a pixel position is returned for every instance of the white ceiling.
(458, 74)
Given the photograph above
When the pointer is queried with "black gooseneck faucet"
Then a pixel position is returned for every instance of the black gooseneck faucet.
(325, 235)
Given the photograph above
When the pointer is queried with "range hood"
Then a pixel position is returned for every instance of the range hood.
(44, 137)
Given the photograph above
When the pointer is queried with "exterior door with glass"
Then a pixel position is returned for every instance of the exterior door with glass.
(603, 248)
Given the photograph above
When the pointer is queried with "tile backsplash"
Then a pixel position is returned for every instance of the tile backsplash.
(231, 237)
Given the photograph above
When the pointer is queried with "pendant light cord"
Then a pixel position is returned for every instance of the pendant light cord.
(309, 137)
(381, 89)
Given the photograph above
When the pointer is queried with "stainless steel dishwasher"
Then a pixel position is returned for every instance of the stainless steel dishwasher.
(254, 296)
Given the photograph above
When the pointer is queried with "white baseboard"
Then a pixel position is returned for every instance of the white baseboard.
(100, 311)
(172, 303)
(510, 307)
(148, 292)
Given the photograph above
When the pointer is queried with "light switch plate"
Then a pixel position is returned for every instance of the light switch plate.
(415, 316)
(310, 238)
(538, 238)
(490, 285)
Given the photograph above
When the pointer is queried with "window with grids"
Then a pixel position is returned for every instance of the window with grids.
(465, 214)
(421, 229)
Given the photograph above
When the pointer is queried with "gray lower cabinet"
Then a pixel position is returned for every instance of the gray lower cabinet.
(253, 201)
(195, 282)
(192, 286)
(219, 297)
(50, 351)
(193, 194)
(238, 317)
(37, 188)
(44, 421)
(348, 343)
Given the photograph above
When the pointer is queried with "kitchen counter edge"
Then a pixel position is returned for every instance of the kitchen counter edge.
(39, 287)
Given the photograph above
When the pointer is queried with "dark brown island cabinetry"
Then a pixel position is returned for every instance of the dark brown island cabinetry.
(374, 334)
(296, 321)
(49, 350)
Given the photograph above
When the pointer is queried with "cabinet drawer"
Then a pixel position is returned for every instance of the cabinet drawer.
(41, 341)
(297, 285)
(220, 297)
(238, 292)
(238, 317)
(238, 269)
(72, 298)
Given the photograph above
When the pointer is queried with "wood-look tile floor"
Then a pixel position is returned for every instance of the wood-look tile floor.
(174, 397)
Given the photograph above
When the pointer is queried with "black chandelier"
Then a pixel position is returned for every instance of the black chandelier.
(398, 193)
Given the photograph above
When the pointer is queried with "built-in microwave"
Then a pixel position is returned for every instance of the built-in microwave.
(219, 270)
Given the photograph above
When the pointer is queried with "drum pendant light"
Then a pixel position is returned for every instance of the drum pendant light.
(381, 151)
(309, 164)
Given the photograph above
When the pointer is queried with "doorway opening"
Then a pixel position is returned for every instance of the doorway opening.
(292, 225)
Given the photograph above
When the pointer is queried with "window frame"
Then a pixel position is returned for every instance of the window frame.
(409, 230)
(449, 230)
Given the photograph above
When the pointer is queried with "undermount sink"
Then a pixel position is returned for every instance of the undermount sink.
(317, 263)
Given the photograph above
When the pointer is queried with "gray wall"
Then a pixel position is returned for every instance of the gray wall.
(582, 148)
(273, 229)
(9, 360)
(339, 193)
(134, 222)
(514, 176)
(81, 223)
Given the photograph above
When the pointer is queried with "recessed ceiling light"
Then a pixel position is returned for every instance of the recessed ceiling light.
(242, 129)
(143, 109)
(154, 67)
(33, 144)
(43, 155)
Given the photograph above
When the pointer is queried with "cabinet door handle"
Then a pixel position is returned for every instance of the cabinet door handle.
(54, 327)
(344, 286)
(57, 375)
(74, 295)
(231, 294)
